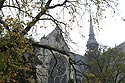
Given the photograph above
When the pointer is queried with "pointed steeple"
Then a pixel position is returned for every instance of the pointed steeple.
(91, 43)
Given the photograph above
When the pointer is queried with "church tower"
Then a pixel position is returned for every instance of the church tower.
(92, 47)
(91, 43)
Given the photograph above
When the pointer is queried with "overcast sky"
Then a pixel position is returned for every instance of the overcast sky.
(113, 28)
(111, 34)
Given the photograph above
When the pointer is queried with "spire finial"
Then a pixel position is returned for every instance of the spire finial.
(91, 43)
(91, 31)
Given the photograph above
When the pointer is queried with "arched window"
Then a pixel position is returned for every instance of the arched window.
(50, 80)
(64, 79)
(57, 80)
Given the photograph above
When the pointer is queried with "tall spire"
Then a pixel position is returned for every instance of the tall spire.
(91, 43)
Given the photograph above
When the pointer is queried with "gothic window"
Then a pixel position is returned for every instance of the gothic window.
(64, 79)
(50, 80)
(57, 80)
(57, 70)
(60, 67)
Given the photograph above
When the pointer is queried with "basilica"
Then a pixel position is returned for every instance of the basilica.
(60, 68)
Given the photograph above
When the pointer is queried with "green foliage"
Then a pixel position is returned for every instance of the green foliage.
(13, 64)
(109, 67)
(18, 17)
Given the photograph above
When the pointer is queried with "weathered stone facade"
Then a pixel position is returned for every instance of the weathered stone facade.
(56, 67)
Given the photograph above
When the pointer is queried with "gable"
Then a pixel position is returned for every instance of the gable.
(56, 39)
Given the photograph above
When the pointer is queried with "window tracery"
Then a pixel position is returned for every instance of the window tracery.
(60, 66)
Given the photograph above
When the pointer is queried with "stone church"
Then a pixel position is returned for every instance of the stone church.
(56, 67)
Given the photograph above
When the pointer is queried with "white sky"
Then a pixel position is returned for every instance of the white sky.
(113, 28)
(111, 34)
(113, 31)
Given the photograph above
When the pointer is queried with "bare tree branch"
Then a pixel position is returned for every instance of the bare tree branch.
(121, 79)
(55, 21)
(54, 64)
(51, 7)
(1, 3)
(18, 9)
(32, 23)
(52, 48)
(48, 3)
